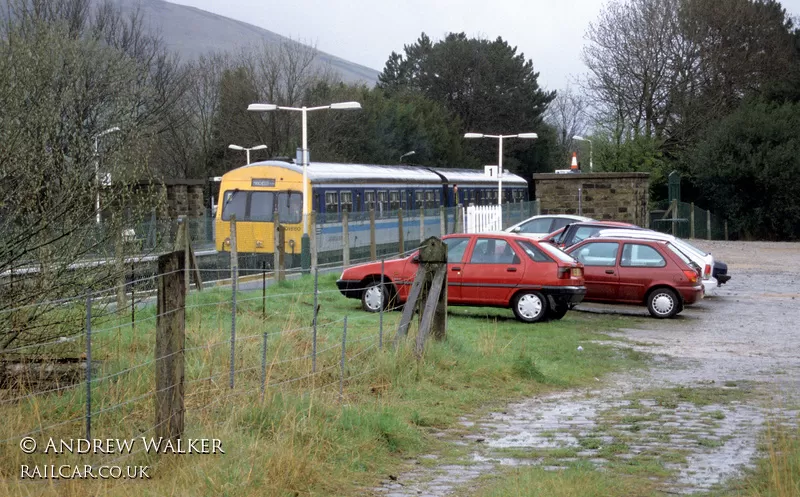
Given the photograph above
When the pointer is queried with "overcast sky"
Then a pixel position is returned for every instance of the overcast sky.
(549, 32)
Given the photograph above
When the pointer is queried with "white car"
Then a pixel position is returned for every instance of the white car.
(537, 227)
(703, 260)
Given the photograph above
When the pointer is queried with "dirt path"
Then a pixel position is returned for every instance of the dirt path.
(721, 369)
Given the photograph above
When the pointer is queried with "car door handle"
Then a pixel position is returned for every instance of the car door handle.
(609, 271)
(456, 269)
(511, 269)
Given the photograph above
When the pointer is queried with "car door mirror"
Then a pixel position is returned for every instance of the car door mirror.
(516, 230)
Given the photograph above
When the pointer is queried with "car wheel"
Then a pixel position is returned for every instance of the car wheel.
(663, 303)
(559, 311)
(372, 298)
(529, 307)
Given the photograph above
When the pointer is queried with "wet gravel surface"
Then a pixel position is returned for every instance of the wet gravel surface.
(738, 351)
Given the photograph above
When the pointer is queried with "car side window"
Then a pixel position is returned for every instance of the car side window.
(493, 251)
(456, 248)
(636, 255)
(597, 254)
(536, 226)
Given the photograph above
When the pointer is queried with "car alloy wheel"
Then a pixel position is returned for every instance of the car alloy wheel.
(663, 303)
(372, 299)
(530, 307)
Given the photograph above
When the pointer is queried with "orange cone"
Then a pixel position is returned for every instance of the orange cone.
(574, 165)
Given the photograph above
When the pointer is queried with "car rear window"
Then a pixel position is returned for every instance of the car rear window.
(533, 252)
(557, 253)
(680, 254)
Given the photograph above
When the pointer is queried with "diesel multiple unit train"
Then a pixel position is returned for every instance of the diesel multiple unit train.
(256, 192)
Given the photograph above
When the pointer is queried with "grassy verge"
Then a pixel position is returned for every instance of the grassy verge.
(300, 437)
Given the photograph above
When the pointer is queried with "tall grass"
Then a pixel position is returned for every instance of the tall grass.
(300, 438)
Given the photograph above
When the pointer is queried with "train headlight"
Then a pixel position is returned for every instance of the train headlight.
(259, 243)
(227, 241)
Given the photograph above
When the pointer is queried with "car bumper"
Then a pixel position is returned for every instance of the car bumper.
(565, 294)
(692, 295)
(709, 286)
(350, 288)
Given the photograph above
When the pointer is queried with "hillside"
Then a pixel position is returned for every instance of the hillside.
(192, 32)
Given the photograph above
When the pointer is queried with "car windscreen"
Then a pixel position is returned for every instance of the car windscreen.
(557, 253)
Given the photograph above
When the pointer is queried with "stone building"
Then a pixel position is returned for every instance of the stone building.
(602, 196)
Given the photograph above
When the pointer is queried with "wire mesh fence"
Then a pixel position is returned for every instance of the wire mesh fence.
(240, 346)
(686, 220)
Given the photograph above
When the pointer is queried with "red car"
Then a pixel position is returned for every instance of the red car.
(535, 280)
(645, 272)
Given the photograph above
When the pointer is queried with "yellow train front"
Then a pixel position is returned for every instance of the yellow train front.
(256, 193)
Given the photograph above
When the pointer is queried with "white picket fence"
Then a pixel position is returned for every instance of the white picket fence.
(483, 218)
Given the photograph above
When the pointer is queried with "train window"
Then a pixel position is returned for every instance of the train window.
(383, 203)
(419, 202)
(493, 195)
(235, 204)
(472, 196)
(262, 206)
(430, 203)
(290, 207)
(369, 200)
(346, 198)
(394, 200)
(403, 196)
(316, 203)
(331, 202)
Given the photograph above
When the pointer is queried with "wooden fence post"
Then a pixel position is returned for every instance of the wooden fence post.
(170, 343)
(459, 220)
(281, 267)
(421, 224)
(345, 239)
(691, 222)
(373, 249)
(122, 303)
(401, 242)
(276, 252)
(442, 221)
(312, 238)
(726, 230)
(234, 253)
(708, 225)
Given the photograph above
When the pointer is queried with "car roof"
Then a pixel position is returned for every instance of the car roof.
(502, 234)
(607, 223)
(620, 239)
(634, 233)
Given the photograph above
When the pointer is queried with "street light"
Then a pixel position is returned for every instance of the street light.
(97, 167)
(305, 111)
(500, 159)
(237, 147)
(580, 138)
(406, 155)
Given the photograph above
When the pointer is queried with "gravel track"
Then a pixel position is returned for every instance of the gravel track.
(741, 343)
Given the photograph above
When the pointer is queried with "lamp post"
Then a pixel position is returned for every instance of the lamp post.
(500, 160)
(97, 168)
(406, 155)
(304, 111)
(580, 138)
(237, 147)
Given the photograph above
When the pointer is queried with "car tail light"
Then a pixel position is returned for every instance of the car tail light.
(577, 272)
(691, 274)
(563, 273)
(707, 271)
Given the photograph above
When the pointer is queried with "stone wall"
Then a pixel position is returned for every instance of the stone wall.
(184, 198)
(606, 196)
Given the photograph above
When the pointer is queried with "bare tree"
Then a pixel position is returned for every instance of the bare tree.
(567, 113)
(64, 84)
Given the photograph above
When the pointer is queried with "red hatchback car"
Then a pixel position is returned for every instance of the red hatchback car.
(495, 270)
(645, 272)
